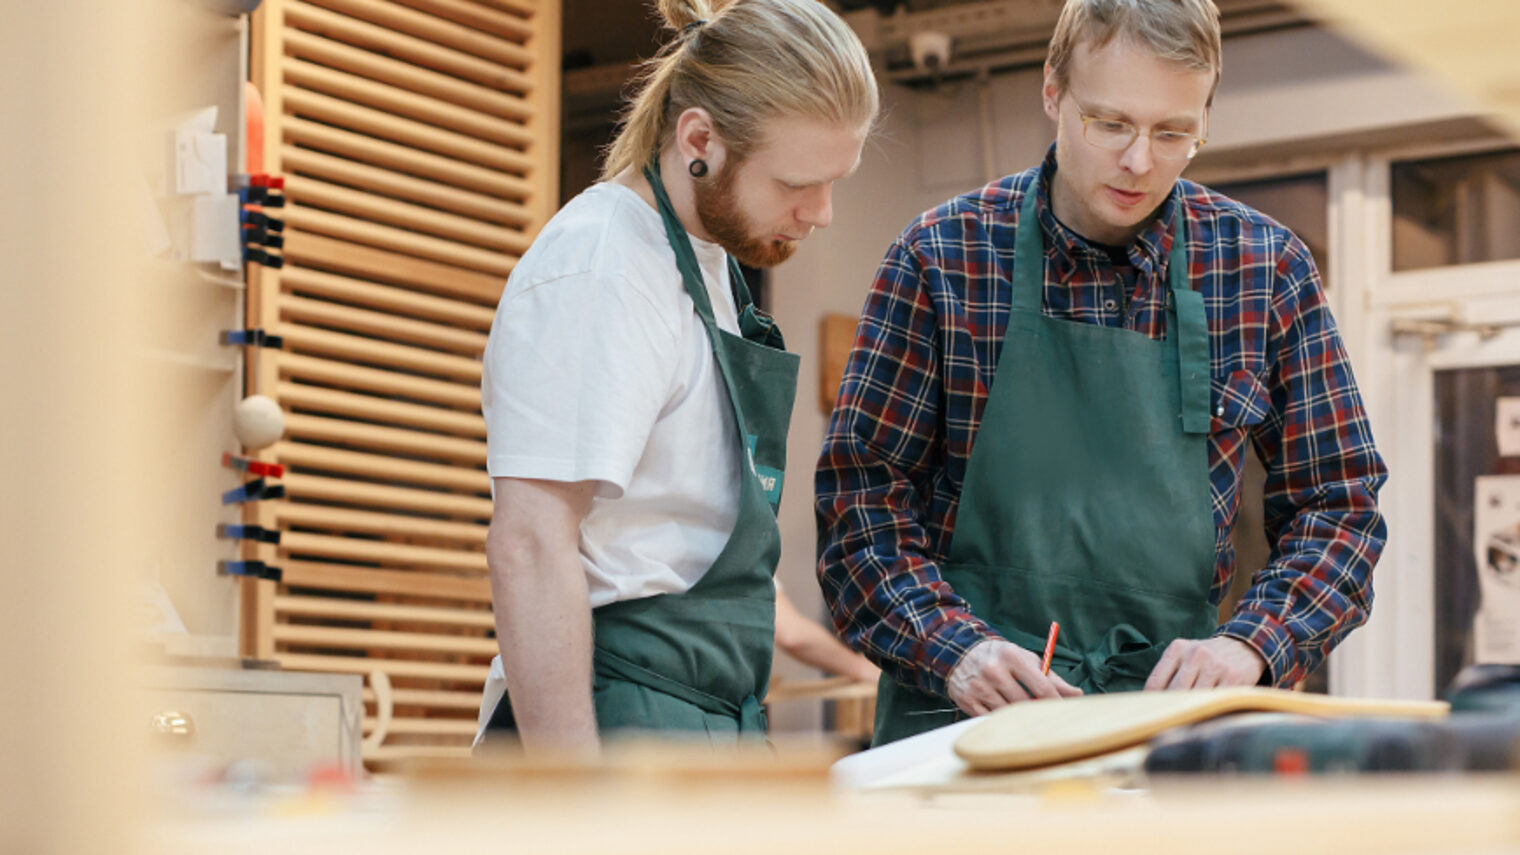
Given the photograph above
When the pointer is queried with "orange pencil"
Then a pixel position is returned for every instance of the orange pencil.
(1050, 647)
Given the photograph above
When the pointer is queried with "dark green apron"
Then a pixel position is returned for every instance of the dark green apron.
(699, 662)
(1086, 499)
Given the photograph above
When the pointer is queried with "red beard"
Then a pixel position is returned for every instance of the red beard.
(718, 211)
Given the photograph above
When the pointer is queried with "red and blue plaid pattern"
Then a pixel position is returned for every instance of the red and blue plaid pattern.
(927, 347)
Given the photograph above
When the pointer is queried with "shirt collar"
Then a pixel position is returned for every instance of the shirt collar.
(1148, 251)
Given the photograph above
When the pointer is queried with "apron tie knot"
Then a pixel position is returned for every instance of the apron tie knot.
(752, 718)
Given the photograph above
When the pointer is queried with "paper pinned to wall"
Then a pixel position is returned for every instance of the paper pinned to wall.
(1507, 426)
(1496, 547)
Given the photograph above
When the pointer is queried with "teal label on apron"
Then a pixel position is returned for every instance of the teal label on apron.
(770, 478)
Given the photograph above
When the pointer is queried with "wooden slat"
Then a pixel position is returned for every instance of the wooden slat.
(309, 340)
(393, 667)
(335, 111)
(406, 76)
(474, 15)
(290, 514)
(379, 551)
(358, 610)
(341, 577)
(321, 488)
(408, 242)
(381, 467)
(400, 753)
(462, 727)
(297, 396)
(429, 698)
(300, 161)
(308, 191)
(399, 301)
(404, 47)
(382, 325)
(408, 442)
(404, 158)
(316, 369)
(523, 8)
(360, 639)
(399, 102)
(310, 250)
(401, 19)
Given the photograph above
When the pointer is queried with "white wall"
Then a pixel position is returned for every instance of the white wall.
(1287, 92)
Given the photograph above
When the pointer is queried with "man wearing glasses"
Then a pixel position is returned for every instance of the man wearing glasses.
(1054, 384)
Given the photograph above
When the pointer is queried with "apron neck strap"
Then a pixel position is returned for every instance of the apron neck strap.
(1188, 320)
(680, 243)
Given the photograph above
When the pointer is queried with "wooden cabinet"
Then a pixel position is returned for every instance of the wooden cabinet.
(287, 723)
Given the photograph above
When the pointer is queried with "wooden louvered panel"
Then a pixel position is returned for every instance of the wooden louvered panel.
(374, 495)
(304, 339)
(365, 149)
(397, 301)
(417, 51)
(364, 639)
(370, 408)
(336, 316)
(324, 518)
(421, 697)
(418, 139)
(388, 753)
(507, 26)
(449, 726)
(334, 54)
(392, 268)
(340, 577)
(398, 18)
(388, 183)
(448, 672)
(318, 370)
(382, 125)
(333, 197)
(355, 610)
(380, 552)
(399, 102)
(411, 443)
(402, 240)
(384, 468)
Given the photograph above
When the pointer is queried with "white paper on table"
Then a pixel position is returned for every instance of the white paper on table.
(869, 768)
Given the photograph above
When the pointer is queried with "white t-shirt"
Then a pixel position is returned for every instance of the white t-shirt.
(599, 369)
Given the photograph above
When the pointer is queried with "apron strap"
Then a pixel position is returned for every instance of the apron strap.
(1192, 326)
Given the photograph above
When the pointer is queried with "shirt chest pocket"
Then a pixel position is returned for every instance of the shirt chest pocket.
(1236, 401)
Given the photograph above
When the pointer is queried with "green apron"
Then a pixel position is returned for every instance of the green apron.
(1086, 499)
(698, 663)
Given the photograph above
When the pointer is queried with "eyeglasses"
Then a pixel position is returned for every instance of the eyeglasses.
(1114, 135)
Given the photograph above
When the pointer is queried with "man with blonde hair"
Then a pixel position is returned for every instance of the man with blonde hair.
(1045, 417)
(637, 402)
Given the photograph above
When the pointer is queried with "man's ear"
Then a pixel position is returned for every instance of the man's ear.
(1050, 95)
(697, 139)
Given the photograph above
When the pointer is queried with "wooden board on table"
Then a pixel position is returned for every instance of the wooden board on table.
(1024, 736)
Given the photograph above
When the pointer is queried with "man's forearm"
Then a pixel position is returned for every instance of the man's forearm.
(543, 626)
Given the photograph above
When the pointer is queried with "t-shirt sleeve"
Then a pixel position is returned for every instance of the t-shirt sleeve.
(576, 371)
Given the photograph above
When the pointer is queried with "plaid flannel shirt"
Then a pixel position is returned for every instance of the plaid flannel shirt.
(913, 392)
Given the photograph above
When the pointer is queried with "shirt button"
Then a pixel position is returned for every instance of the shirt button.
(1110, 305)
(1219, 411)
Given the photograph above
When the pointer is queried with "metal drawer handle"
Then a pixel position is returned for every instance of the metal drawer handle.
(172, 723)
